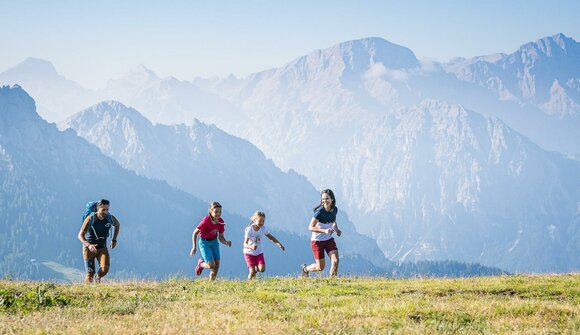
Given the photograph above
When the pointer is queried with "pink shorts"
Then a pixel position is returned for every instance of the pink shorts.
(252, 260)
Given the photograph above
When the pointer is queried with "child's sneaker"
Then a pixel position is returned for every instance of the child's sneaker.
(198, 268)
(304, 271)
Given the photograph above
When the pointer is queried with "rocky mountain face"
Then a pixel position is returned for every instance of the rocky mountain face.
(435, 181)
(544, 73)
(540, 85)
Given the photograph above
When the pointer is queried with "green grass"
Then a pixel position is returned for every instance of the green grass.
(546, 304)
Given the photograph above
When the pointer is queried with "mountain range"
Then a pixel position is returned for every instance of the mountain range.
(426, 158)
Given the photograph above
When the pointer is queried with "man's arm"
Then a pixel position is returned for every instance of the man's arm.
(113, 243)
(82, 233)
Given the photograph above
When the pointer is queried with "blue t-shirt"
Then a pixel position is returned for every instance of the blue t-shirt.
(323, 216)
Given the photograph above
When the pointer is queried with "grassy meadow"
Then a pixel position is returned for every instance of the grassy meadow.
(522, 304)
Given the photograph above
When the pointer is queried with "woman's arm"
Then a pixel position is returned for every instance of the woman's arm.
(315, 229)
(336, 229)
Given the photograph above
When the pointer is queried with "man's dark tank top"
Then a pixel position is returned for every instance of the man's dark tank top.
(98, 233)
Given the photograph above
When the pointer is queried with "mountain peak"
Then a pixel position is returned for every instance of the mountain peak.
(560, 40)
(34, 67)
(109, 105)
(142, 72)
(551, 45)
(37, 64)
(372, 42)
(111, 111)
(15, 104)
(392, 55)
(115, 108)
(348, 58)
(137, 77)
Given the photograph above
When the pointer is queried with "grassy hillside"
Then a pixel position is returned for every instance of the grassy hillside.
(546, 304)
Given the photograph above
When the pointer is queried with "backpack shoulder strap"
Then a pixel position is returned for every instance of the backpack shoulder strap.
(110, 220)
(92, 220)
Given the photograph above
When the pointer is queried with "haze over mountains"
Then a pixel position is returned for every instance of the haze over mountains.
(425, 158)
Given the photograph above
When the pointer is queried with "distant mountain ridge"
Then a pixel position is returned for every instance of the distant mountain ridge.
(531, 89)
(543, 73)
(56, 95)
(164, 100)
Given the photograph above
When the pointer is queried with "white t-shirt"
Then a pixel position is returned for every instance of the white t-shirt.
(321, 236)
(256, 238)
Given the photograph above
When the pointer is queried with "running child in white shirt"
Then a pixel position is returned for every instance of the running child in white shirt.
(253, 236)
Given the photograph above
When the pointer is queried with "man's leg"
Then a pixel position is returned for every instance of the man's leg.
(104, 263)
(89, 261)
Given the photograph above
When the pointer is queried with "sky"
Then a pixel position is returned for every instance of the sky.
(91, 42)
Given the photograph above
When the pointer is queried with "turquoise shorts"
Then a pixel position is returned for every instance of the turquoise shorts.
(210, 249)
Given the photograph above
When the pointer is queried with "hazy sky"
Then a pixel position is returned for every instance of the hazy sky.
(93, 41)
